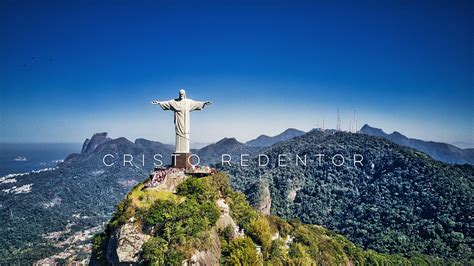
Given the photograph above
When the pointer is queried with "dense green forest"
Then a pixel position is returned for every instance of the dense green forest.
(399, 201)
(182, 223)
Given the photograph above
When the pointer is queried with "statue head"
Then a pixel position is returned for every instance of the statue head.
(182, 94)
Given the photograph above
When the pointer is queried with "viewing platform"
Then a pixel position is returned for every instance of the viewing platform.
(165, 177)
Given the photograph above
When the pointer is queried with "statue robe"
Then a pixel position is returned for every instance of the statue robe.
(181, 109)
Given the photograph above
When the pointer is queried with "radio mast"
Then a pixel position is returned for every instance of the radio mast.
(323, 121)
(338, 127)
(355, 123)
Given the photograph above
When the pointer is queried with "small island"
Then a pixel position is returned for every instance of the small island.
(20, 159)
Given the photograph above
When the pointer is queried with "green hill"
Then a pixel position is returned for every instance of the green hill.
(400, 200)
(207, 222)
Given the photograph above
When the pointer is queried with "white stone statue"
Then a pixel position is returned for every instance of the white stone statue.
(181, 108)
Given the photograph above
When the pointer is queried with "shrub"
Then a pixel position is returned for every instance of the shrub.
(242, 251)
(154, 251)
(240, 209)
(259, 230)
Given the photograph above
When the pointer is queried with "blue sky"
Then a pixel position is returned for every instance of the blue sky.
(72, 69)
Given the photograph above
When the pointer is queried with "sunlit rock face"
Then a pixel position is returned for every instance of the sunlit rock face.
(125, 244)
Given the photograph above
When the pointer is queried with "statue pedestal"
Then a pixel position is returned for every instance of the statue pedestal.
(180, 160)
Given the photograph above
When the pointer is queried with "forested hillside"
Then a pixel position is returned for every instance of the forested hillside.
(207, 223)
(399, 201)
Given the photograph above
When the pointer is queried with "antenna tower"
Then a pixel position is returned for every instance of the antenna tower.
(338, 120)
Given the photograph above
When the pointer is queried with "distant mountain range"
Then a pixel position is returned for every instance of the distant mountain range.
(444, 152)
(81, 192)
(266, 141)
(438, 150)
(212, 153)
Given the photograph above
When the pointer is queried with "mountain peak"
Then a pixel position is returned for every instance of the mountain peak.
(368, 129)
(266, 141)
(289, 130)
(91, 144)
(397, 134)
(228, 141)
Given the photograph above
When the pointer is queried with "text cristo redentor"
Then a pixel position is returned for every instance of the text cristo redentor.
(261, 160)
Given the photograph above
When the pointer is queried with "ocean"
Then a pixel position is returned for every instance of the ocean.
(37, 156)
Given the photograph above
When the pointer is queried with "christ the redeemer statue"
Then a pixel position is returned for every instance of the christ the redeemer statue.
(181, 108)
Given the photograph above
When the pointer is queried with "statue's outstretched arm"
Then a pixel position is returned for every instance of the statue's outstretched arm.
(197, 105)
(166, 105)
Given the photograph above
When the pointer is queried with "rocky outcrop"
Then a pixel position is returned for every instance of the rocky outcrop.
(84, 145)
(266, 200)
(125, 244)
(292, 194)
(224, 219)
(91, 144)
(260, 196)
(210, 256)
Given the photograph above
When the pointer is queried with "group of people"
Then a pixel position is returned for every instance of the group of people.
(198, 168)
(159, 175)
